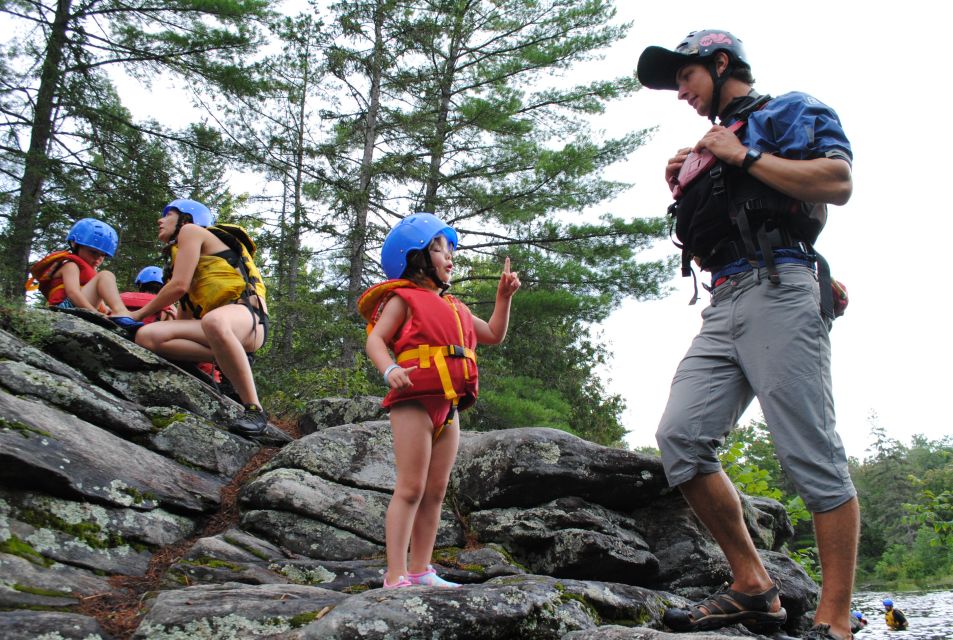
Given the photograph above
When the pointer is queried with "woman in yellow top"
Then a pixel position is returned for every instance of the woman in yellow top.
(223, 313)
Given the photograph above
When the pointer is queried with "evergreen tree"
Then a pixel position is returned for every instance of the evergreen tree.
(70, 45)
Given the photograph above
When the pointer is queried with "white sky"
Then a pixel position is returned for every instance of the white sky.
(885, 73)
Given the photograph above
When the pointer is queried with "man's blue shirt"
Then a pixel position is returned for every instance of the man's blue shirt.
(798, 127)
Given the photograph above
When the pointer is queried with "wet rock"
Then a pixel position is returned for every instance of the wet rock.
(233, 611)
(43, 447)
(49, 625)
(84, 401)
(532, 466)
(330, 412)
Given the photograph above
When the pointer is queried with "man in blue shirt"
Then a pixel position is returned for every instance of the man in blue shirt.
(750, 219)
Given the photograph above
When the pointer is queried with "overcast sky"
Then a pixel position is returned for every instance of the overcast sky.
(886, 74)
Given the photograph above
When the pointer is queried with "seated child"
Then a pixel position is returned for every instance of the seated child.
(148, 282)
(72, 280)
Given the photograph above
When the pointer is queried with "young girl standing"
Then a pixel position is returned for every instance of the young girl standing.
(432, 374)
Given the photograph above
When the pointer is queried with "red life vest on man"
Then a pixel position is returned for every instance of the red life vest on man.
(439, 338)
(43, 270)
(135, 300)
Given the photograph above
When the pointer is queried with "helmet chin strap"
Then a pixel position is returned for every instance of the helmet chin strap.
(717, 82)
(432, 274)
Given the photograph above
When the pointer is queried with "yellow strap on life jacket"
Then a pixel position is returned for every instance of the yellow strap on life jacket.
(424, 353)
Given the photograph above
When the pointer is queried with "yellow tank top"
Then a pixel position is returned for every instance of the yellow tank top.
(218, 282)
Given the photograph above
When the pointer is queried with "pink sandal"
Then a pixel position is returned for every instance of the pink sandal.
(429, 578)
(401, 582)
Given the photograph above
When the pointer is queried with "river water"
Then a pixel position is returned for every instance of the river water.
(930, 614)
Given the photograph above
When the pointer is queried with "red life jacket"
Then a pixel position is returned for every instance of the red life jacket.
(439, 338)
(135, 300)
(52, 288)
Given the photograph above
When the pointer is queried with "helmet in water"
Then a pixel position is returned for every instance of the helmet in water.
(95, 234)
(658, 66)
(199, 212)
(413, 233)
(888, 602)
(149, 274)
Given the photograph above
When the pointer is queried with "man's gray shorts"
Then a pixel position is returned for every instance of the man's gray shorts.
(768, 341)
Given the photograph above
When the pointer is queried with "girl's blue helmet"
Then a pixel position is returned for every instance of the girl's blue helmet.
(149, 274)
(413, 233)
(96, 234)
(199, 212)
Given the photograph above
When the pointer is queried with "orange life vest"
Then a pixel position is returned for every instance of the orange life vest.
(52, 288)
(439, 338)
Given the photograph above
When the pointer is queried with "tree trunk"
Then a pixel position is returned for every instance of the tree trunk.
(16, 258)
(362, 198)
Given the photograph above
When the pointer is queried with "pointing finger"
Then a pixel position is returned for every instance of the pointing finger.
(506, 265)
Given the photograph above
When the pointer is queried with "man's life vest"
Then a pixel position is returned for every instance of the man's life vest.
(43, 270)
(225, 277)
(135, 300)
(896, 622)
(439, 338)
(723, 214)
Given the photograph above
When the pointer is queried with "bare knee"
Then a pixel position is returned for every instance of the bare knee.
(410, 493)
(215, 327)
(147, 340)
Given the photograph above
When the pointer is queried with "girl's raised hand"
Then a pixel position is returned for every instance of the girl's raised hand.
(509, 282)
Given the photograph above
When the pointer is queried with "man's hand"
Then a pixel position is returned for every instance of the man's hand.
(724, 144)
(674, 166)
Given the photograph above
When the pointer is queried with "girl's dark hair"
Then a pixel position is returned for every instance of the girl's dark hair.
(150, 287)
(417, 265)
(184, 218)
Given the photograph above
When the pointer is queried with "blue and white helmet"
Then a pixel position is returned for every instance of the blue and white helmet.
(96, 234)
(413, 233)
(199, 212)
(149, 274)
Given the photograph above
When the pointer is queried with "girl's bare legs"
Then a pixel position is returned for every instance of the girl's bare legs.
(412, 432)
(102, 288)
(442, 456)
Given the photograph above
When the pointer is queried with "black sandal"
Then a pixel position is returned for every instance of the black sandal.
(727, 606)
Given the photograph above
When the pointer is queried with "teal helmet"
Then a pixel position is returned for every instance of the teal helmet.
(149, 274)
(413, 233)
(199, 212)
(95, 234)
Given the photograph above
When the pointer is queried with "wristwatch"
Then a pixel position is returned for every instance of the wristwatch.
(751, 157)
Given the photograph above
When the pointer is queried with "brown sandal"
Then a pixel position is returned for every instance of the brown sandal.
(727, 606)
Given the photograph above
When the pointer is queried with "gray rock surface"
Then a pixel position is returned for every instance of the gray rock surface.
(109, 455)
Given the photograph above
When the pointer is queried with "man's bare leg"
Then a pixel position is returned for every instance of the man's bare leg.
(837, 533)
(716, 503)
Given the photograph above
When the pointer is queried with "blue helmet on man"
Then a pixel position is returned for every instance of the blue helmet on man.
(149, 274)
(199, 212)
(413, 233)
(888, 602)
(95, 234)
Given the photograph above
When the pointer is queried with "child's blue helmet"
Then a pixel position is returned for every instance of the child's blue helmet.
(413, 233)
(149, 274)
(199, 212)
(96, 234)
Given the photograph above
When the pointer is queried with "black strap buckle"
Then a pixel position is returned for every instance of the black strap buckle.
(456, 351)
